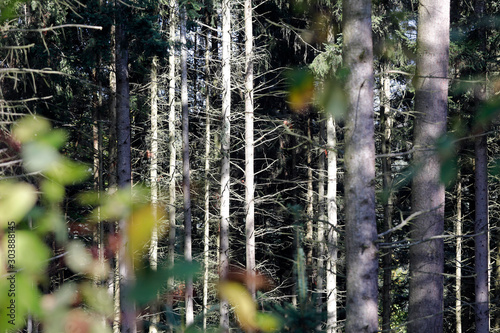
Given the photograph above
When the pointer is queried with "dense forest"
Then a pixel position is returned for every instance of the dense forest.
(249, 166)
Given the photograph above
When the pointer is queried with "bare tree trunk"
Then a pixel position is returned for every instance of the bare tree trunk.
(428, 193)
(361, 226)
(309, 213)
(249, 148)
(332, 236)
(386, 120)
(458, 258)
(206, 237)
(153, 175)
(481, 258)
(128, 320)
(186, 179)
(225, 143)
(320, 276)
(171, 146)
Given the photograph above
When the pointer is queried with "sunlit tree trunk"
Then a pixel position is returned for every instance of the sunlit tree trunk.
(332, 236)
(428, 193)
(153, 176)
(361, 226)
(186, 179)
(309, 211)
(206, 236)
(320, 277)
(225, 145)
(249, 148)
(127, 306)
(386, 120)
(171, 144)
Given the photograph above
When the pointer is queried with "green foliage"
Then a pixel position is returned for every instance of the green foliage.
(8, 9)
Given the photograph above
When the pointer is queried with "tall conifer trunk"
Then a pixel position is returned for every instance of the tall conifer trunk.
(428, 193)
(361, 226)
(127, 306)
(225, 150)
(249, 148)
(171, 145)
(186, 179)
(153, 176)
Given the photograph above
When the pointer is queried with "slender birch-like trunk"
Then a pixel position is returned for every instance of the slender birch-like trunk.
(332, 236)
(249, 148)
(206, 236)
(171, 145)
(225, 145)
(153, 177)
(186, 179)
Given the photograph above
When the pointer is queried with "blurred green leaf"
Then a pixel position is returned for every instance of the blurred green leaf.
(448, 171)
(31, 128)
(8, 10)
(52, 191)
(31, 253)
(68, 172)
(97, 298)
(488, 111)
(16, 200)
(148, 282)
(78, 258)
(39, 156)
(268, 322)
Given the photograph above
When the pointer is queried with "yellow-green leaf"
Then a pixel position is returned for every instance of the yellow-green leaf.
(244, 305)
(16, 200)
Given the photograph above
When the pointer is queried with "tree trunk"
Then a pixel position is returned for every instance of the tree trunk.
(361, 226)
(320, 276)
(123, 131)
(428, 193)
(458, 258)
(386, 120)
(481, 258)
(153, 175)
(249, 149)
(186, 179)
(332, 236)
(225, 145)
(171, 146)
(206, 237)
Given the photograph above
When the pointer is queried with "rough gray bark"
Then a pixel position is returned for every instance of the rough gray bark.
(225, 150)
(361, 227)
(249, 149)
(428, 193)
(186, 179)
(481, 258)
(128, 316)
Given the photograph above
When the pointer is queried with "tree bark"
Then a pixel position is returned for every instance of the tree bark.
(320, 276)
(249, 149)
(386, 120)
(428, 193)
(206, 236)
(171, 145)
(127, 306)
(458, 258)
(361, 227)
(186, 183)
(481, 240)
(332, 236)
(225, 147)
(153, 176)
